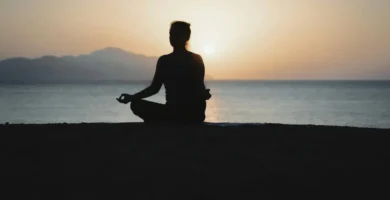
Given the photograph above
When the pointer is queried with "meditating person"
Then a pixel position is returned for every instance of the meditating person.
(182, 73)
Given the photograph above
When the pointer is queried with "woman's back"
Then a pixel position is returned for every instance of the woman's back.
(183, 78)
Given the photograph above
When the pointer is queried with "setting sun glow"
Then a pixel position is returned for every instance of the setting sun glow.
(209, 49)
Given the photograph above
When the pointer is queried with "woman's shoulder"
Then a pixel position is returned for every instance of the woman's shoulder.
(163, 57)
(163, 60)
(195, 55)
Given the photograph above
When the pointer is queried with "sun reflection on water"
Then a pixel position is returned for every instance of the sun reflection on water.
(212, 111)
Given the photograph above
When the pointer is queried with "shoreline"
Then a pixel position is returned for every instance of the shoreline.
(205, 124)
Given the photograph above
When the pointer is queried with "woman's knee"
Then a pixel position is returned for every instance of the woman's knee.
(135, 106)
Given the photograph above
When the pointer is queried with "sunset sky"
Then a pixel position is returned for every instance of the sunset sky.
(238, 39)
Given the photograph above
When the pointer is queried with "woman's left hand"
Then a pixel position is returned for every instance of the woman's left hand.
(124, 98)
(207, 94)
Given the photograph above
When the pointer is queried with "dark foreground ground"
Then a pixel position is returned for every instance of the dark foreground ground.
(132, 161)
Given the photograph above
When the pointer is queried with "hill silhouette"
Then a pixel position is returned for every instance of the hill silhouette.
(108, 64)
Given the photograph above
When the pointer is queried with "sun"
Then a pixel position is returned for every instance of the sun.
(209, 49)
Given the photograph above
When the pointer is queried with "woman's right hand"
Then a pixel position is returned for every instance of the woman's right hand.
(124, 98)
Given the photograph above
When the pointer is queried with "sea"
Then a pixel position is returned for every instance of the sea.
(340, 103)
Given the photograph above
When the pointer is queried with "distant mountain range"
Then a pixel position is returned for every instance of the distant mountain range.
(109, 64)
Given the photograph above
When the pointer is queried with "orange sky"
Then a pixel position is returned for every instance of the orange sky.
(252, 39)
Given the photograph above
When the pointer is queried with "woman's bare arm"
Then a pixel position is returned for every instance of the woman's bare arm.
(155, 86)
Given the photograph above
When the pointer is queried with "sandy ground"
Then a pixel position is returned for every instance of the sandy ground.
(134, 161)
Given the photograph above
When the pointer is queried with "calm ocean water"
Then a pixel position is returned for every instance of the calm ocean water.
(345, 103)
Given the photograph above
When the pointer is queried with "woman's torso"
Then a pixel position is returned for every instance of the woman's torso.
(182, 77)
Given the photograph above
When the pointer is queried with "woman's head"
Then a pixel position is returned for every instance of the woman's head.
(179, 34)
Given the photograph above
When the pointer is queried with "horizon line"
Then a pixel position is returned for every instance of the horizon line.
(213, 80)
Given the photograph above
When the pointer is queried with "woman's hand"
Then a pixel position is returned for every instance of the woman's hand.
(124, 98)
(207, 94)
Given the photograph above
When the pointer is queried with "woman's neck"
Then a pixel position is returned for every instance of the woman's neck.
(179, 49)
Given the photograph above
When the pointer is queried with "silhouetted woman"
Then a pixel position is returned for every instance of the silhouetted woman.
(182, 73)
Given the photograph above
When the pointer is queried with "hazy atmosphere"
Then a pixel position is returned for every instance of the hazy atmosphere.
(247, 39)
